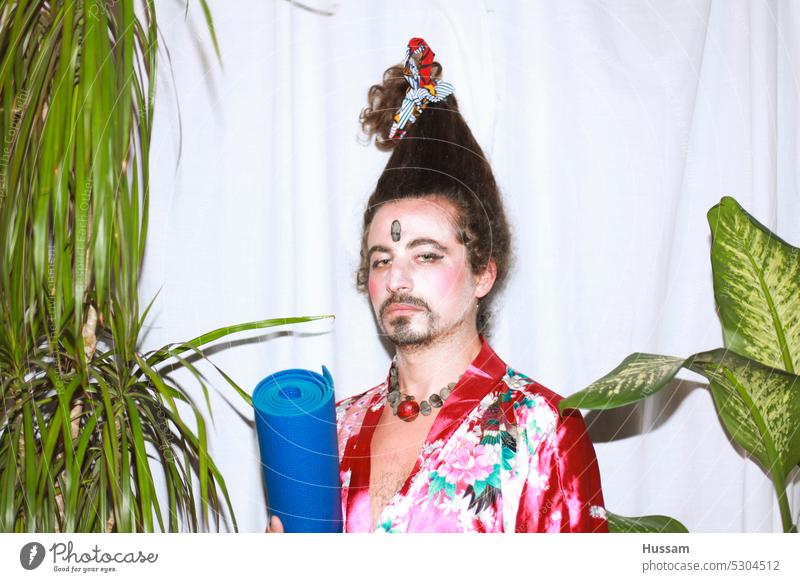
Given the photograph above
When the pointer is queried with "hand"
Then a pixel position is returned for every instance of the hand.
(275, 526)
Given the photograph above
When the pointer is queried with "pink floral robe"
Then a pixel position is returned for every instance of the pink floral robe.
(498, 458)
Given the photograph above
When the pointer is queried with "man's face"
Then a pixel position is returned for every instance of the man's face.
(421, 286)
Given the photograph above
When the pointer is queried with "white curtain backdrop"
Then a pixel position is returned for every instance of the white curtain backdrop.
(612, 127)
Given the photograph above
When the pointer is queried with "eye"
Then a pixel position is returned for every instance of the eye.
(426, 258)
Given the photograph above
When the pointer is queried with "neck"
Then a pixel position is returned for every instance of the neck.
(424, 371)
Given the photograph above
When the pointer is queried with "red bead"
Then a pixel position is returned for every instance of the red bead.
(408, 410)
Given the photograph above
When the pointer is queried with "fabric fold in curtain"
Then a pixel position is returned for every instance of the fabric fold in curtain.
(612, 126)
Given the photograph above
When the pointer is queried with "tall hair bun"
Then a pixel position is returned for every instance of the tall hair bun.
(434, 153)
(383, 101)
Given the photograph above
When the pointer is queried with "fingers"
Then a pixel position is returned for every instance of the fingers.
(275, 526)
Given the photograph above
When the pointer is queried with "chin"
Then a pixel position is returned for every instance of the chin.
(406, 341)
(410, 337)
(403, 334)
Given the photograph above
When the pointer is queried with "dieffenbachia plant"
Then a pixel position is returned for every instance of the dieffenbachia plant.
(753, 380)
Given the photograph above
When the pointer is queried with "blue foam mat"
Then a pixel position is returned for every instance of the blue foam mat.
(295, 413)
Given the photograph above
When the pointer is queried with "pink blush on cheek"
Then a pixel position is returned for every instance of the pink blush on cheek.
(445, 282)
(372, 285)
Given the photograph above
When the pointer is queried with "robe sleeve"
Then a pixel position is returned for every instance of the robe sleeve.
(562, 491)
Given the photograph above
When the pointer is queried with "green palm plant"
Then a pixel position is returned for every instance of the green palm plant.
(85, 417)
(754, 380)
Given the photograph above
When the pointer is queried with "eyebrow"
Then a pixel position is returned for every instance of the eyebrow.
(414, 243)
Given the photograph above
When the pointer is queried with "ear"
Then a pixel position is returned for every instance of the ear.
(485, 281)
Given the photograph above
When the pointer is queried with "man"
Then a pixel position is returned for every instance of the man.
(425, 299)
(453, 440)
(495, 456)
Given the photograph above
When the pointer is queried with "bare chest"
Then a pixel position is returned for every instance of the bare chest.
(393, 452)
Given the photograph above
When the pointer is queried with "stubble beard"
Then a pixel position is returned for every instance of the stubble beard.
(402, 334)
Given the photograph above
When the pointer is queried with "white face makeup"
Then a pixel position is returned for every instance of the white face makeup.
(420, 284)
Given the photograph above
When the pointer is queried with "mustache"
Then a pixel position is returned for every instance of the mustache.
(404, 299)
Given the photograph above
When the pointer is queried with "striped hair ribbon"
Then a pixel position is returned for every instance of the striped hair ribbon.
(421, 90)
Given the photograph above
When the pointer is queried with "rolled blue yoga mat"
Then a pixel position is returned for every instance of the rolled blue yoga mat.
(295, 414)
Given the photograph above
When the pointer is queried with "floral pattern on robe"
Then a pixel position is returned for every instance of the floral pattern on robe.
(498, 458)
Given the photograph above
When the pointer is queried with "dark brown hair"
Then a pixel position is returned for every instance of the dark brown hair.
(438, 156)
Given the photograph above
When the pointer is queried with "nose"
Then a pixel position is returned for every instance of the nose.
(399, 277)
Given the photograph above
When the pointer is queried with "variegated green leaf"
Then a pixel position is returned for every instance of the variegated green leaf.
(759, 406)
(636, 378)
(644, 524)
(756, 280)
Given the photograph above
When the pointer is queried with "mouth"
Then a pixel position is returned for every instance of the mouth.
(402, 307)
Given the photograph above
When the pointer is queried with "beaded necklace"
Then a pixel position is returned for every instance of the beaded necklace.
(405, 406)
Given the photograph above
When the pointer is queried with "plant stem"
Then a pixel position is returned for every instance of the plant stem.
(775, 464)
(783, 502)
